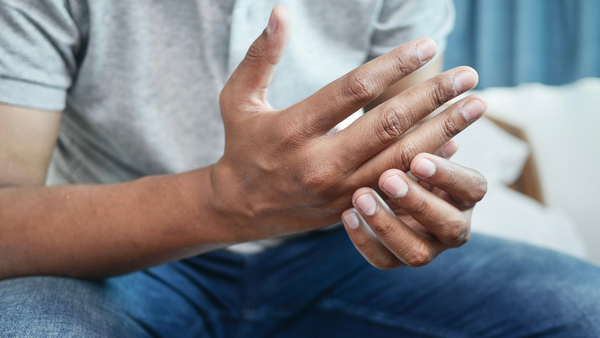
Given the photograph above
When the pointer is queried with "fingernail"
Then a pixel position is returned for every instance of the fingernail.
(450, 148)
(426, 50)
(425, 168)
(464, 81)
(272, 26)
(367, 204)
(472, 110)
(351, 221)
(396, 186)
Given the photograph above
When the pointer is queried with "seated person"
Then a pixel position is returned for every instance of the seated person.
(161, 167)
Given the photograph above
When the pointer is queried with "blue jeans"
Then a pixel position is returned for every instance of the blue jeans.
(319, 286)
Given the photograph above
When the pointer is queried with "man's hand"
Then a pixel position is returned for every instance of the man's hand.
(418, 220)
(282, 172)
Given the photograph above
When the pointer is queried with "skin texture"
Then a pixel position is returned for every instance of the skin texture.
(27, 138)
(282, 172)
(430, 70)
(432, 215)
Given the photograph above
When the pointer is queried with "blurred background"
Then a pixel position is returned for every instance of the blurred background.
(539, 67)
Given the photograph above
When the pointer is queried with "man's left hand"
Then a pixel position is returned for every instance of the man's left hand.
(418, 220)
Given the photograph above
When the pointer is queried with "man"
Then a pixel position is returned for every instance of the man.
(141, 84)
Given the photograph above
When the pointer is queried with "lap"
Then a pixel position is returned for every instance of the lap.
(319, 286)
(135, 305)
(59, 307)
(488, 288)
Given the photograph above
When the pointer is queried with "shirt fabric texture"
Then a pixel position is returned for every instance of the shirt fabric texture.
(139, 82)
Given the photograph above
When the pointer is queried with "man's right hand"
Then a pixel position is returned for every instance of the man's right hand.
(284, 172)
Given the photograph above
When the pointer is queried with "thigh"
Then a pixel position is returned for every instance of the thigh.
(135, 305)
(487, 288)
(61, 307)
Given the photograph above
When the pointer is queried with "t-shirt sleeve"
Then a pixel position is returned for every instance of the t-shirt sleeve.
(401, 21)
(39, 41)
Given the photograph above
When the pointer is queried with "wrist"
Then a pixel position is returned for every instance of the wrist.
(215, 217)
(230, 205)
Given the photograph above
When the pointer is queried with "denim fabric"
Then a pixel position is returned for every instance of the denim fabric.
(319, 286)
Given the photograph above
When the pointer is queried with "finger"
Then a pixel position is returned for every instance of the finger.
(341, 98)
(446, 151)
(389, 121)
(426, 139)
(249, 82)
(411, 247)
(367, 243)
(445, 221)
(465, 185)
(449, 149)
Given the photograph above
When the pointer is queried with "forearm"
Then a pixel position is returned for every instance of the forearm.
(95, 231)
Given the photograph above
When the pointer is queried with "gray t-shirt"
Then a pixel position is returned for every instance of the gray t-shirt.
(139, 81)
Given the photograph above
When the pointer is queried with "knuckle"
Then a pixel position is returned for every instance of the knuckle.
(439, 93)
(291, 135)
(392, 125)
(466, 239)
(450, 128)
(255, 52)
(419, 207)
(405, 65)
(481, 189)
(456, 231)
(386, 262)
(419, 256)
(385, 228)
(360, 89)
(318, 179)
(478, 190)
(408, 151)
(362, 242)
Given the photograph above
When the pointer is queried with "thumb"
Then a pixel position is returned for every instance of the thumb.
(252, 77)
